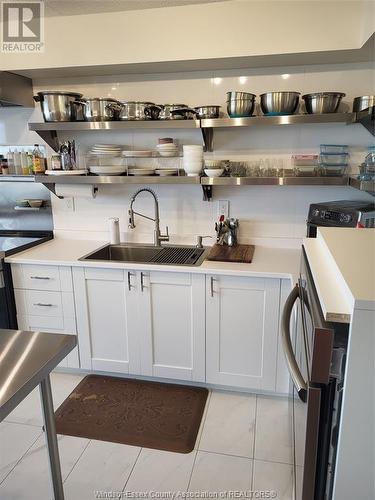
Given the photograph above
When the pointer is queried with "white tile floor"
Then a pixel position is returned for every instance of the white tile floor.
(242, 445)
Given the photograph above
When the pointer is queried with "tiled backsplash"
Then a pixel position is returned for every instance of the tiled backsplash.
(276, 212)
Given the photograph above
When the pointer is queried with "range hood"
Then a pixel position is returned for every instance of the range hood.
(15, 90)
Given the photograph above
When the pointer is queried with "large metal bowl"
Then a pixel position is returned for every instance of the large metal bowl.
(240, 104)
(279, 103)
(322, 102)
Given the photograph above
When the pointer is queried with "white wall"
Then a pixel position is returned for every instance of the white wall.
(277, 212)
(229, 29)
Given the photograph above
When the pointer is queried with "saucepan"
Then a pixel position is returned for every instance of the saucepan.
(139, 110)
(207, 111)
(98, 109)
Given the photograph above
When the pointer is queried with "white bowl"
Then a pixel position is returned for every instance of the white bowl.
(195, 164)
(214, 172)
(193, 169)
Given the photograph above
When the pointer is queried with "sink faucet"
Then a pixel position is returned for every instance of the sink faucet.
(158, 237)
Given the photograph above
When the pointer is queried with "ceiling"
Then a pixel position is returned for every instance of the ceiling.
(55, 8)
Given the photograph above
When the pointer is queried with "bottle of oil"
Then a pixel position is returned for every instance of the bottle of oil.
(39, 164)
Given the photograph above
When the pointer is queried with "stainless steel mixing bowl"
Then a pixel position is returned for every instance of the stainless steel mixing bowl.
(279, 103)
(322, 102)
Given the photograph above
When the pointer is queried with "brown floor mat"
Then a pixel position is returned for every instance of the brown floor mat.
(136, 412)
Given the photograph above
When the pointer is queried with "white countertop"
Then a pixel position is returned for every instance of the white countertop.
(342, 262)
(267, 262)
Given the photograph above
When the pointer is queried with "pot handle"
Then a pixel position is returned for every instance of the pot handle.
(79, 101)
(37, 98)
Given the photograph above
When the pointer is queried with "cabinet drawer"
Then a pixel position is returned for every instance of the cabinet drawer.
(48, 324)
(36, 277)
(44, 303)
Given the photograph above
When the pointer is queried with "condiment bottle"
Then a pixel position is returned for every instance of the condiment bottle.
(39, 166)
(4, 166)
(24, 163)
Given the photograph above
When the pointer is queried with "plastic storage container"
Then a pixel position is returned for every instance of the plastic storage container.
(305, 160)
(333, 148)
(332, 170)
(334, 159)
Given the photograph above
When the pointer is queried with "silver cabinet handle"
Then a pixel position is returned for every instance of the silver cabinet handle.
(129, 280)
(39, 278)
(212, 280)
(40, 304)
(291, 361)
(142, 282)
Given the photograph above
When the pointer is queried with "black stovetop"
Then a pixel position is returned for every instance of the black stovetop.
(12, 242)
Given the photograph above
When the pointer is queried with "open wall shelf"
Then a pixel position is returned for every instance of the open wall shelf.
(48, 131)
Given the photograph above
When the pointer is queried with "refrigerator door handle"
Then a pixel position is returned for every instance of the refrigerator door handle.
(293, 368)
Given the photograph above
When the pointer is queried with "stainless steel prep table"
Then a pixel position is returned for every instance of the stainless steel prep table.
(26, 360)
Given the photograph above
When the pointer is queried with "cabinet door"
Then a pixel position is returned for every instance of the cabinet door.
(105, 305)
(172, 314)
(242, 330)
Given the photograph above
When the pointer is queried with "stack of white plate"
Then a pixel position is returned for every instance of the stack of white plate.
(193, 159)
(108, 170)
(137, 154)
(106, 150)
(168, 150)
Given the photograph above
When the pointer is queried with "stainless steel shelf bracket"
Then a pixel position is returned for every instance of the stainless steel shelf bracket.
(207, 192)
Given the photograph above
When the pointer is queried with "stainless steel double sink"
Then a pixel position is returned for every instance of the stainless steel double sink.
(169, 255)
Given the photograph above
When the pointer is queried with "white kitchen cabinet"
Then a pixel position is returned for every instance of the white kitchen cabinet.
(172, 325)
(148, 323)
(242, 318)
(106, 310)
(45, 302)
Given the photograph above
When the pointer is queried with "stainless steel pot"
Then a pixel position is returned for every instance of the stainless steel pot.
(60, 106)
(101, 109)
(240, 104)
(279, 103)
(138, 110)
(207, 111)
(322, 102)
(166, 111)
(363, 102)
(183, 113)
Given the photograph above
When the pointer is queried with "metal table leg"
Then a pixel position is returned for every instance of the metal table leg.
(51, 438)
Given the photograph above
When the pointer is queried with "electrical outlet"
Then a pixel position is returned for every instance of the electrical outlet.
(68, 203)
(223, 208)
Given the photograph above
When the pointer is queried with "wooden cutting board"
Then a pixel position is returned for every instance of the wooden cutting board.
(239, 253)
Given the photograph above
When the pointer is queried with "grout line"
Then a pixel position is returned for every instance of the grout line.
(76, 462)
(274, 462)
(192, 470)
(225, 454)
(132, 469)
(255, 436)
(21, 457)
(23, 423)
